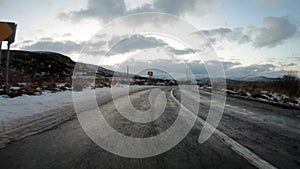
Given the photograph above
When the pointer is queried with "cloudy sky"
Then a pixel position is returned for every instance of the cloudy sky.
(250, 37)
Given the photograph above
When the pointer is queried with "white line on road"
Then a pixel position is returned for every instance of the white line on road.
(231, 143)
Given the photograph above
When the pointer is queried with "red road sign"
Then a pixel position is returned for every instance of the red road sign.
(150, 73)
(7, 31)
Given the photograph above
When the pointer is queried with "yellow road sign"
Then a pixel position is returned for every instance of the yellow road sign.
(7, 31)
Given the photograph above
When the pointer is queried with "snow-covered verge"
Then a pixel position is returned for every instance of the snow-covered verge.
(27, 115)
(277, 99)
(271, 98)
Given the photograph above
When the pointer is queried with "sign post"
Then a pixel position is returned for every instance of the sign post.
(7, 33)
(7, 69)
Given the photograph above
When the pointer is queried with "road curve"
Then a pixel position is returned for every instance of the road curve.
(268, 132)
(68, 146)
(272, 133)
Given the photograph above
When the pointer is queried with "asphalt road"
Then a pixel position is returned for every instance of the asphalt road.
(271, 133)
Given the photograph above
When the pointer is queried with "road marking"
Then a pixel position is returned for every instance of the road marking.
(251, 157)
(241, 111)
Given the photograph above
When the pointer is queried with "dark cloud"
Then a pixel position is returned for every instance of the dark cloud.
(27, 42)
(126, 44)
(180, 52)
(295, 58)
(64, 47)
(275, 32)
(226, 64)
(252, 70)
(235, 70)
(287, 64)
(67, 35)
(105, 10)
(232, 35)
(177, 68)
(101, 45)
(46, 39)
(133, 43)
(291, 64)
(177, 7)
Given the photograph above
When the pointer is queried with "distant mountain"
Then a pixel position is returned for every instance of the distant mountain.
(107, 72)
(255, 78)
(238, 80)
(164, 77)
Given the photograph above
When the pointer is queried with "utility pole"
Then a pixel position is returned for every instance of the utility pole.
(187, 74)
(127, 77)
(127, 70)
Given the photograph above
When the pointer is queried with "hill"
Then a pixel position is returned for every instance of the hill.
(34, 72)
(25, 65)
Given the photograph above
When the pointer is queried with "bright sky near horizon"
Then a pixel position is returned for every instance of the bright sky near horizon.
(259, 37)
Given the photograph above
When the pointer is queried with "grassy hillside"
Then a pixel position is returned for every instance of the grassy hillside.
(26, 66)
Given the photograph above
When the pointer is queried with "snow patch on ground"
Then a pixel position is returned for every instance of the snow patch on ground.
(263, 96)
(23, 106)
(15, 88)
(26, 115)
